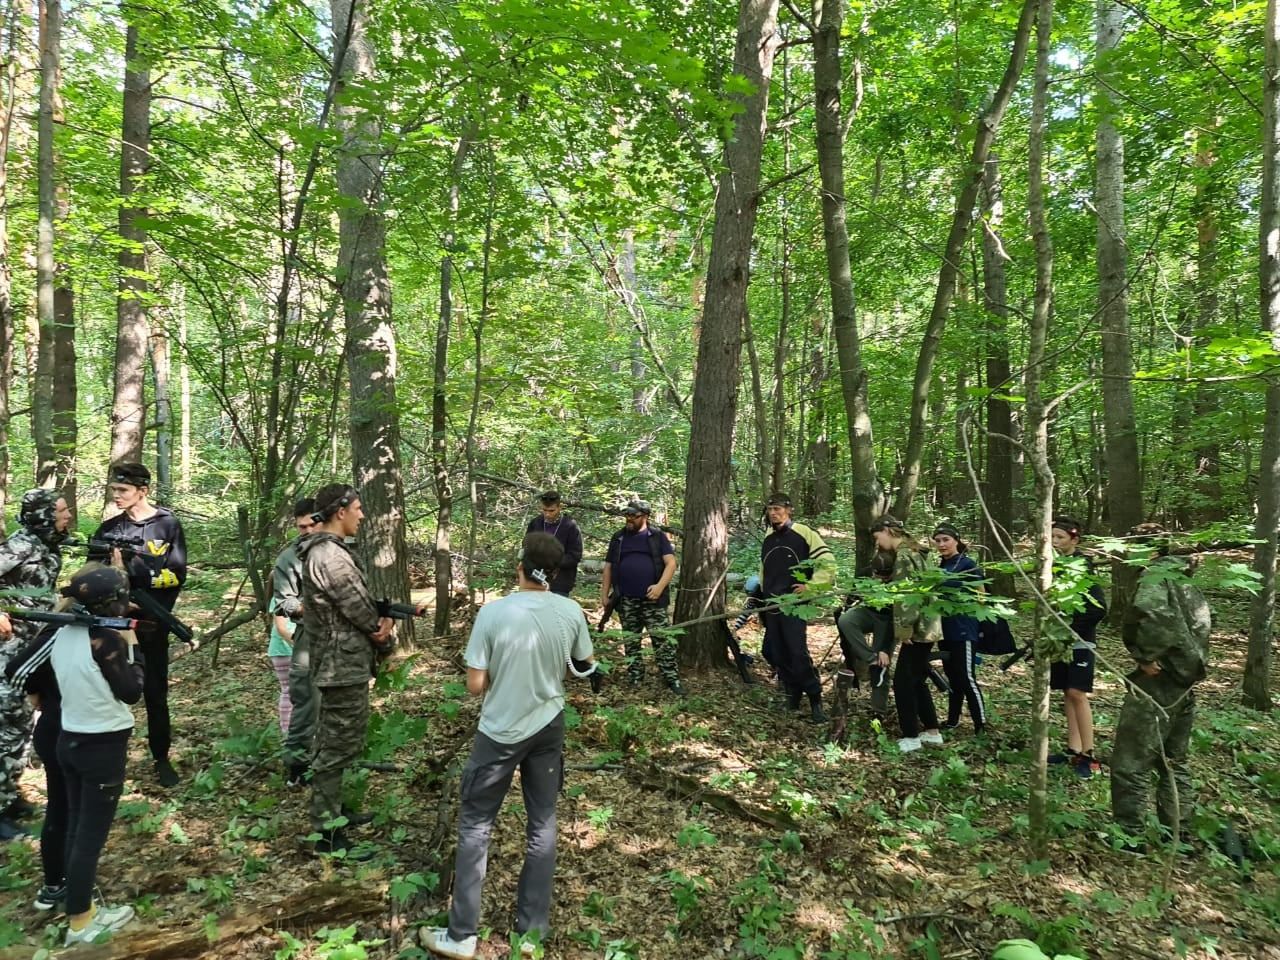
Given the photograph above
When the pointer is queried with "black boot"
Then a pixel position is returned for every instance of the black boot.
(815, 709)
(793, 700)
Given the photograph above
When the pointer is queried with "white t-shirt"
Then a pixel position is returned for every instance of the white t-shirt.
(523, 641)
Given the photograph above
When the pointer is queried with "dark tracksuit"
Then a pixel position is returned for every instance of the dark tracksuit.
(787, 549)
(163, 547)
(959, 640)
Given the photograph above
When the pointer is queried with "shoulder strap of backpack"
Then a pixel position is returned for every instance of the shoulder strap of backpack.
(655, 551)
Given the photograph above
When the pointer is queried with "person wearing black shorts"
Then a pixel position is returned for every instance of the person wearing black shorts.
(1074, 677)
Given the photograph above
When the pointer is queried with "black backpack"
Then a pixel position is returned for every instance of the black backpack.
(995, 639)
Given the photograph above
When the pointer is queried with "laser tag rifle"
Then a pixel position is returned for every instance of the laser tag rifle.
(76, 615)
(153, 610)
(399, 611)
(607, 613)
(99, 548)
(740, 660)
(1018, 657)
(939, 680)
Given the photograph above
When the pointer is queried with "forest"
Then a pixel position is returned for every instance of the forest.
(982, 263)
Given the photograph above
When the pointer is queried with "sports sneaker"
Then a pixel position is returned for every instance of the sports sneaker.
(105, 921)
(1086, 766)
(438, 941)
(909, 744)
(296, 775)
(933, 739)
(1058, 759)
(50, 898)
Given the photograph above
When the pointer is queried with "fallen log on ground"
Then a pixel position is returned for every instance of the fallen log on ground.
(326, 904)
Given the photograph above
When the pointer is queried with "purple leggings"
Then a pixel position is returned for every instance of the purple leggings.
(285, 705)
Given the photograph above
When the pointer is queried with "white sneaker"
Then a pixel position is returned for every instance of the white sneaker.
(528, 948)
(908, 744)
(106, 921)
(931, 738)
(438, 941)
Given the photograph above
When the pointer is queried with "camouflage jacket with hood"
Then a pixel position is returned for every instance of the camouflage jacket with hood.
(29, 561)
(339, 613)
(1169, 622)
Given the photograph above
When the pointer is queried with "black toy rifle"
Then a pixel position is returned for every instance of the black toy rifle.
(153, 610)
(605, 614)
(398, 611)
(76, 615)
(735, 651)
(1018, 657)
(99, 548)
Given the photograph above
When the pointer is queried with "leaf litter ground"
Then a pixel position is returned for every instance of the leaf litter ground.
(713, 826)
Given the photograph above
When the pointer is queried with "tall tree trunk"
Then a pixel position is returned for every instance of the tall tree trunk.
(760, 415)
(626, 268)
(128, 409)
(998, 490)
(366, 297)
(184, 386)
(1036, 436)
(867, 489)
(1204, 402)
(50, 38)
(63, 396)
(971, 179)
(439, 398)
(8, 97)
(1124, 478)
(715, 390)
(1257, 669)
(477, 381)
(164, 407)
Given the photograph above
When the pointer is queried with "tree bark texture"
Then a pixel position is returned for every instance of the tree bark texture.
(439, 402)
(8, 98)
(1124, 469)
(971, 179)
(1208, 454)
(128, 409)
(50, 41)
(760, 415)
(1262, 611)
(1036, 436)
(164, 408)
(366, 297)
(715, 389)
(867, 489)
(999, 478)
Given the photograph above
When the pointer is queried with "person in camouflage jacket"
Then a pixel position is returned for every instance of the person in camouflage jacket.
(30, 560)
(340, 618)
(1167, 632)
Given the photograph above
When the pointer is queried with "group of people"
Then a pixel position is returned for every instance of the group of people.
(328, 634)
(82, 678)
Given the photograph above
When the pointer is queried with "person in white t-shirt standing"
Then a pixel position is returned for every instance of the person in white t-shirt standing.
(516, 658)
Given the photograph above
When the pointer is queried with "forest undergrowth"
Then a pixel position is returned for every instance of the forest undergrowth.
(713, 826)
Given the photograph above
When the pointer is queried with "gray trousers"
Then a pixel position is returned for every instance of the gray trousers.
(306, 704)
(485, 781)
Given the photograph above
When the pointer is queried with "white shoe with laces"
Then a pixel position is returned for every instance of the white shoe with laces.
(909, 744)
(438, 941)
(105, 921)
(934, 738)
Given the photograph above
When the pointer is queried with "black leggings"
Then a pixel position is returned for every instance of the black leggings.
(93, 764)
(154, 643)
(911, 689)
(53, 833)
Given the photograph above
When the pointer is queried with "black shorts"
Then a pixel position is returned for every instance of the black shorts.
(1073, 674)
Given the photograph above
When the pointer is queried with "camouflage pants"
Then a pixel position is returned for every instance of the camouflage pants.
(1140, 736)
(15, 737)
(306, 701)
(639, 615)
(340, 733)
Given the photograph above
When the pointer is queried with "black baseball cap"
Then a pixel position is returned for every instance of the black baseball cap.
(637, 507)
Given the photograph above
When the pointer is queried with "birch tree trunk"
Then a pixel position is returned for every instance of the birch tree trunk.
(715, 389)
(1262, 612)
(868, 491)
(164, 408)
(971, 179)
(128, 409)
(366, 296)
(1036, 435)
(999, 479)
(8, 98)
(1124, 480)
